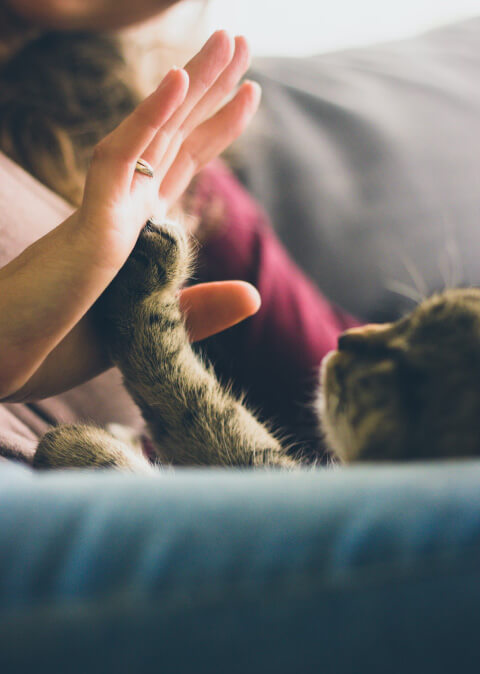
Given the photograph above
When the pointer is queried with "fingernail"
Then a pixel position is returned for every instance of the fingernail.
(166, 79)
(255, 85)
(216, 35)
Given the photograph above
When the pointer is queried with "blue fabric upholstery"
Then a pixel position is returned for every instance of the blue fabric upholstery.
(353, 570)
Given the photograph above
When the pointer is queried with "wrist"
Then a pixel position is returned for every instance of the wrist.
(103, 250)
(45, 292)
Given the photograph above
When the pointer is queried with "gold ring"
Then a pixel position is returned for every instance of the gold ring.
(144, 167)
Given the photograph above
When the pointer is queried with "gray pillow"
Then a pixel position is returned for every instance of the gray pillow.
(368, 162)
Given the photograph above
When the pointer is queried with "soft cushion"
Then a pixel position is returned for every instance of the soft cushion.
(368, 162)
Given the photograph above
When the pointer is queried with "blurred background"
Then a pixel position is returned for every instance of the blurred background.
(302, 27)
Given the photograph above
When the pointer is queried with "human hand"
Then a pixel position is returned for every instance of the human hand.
(45, 347)
(177, 130)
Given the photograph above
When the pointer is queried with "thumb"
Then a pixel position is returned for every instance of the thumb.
(212, 307)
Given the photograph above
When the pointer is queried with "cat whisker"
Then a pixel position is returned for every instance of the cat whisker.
(405, 290)
(417, 278)
(453, 266)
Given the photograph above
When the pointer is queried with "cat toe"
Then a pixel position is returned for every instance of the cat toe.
(166, 246)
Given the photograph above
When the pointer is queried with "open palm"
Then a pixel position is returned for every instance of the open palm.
(177, 129)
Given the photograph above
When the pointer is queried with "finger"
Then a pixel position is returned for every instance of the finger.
(212, 307)
(203, 70)
(205, 107)
(114, 158)
(223, 86)
(209, 140)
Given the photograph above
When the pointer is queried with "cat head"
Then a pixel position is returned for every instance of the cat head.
(407, 390)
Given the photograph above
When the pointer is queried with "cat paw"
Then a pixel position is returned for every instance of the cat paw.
(159, 264)
(79, 446)
(160, 259)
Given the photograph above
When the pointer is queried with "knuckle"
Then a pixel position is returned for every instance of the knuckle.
(106, 151)
(161, 141)
(162, 137)
(192, 156)
(145, 119)
(181, 133)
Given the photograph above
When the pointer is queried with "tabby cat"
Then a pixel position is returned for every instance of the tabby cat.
(406, 390)
(410, 389)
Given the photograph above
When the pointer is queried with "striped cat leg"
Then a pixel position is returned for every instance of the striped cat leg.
(81, 446)
(193, 420)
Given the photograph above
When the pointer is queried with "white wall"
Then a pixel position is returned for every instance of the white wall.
(300, 27)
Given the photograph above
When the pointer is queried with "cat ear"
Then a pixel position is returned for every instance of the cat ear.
(384, 339)
(371, 335)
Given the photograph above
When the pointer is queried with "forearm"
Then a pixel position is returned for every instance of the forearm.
(44, 293)
(76, 359)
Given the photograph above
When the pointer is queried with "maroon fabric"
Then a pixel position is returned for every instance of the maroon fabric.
(274, 356)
